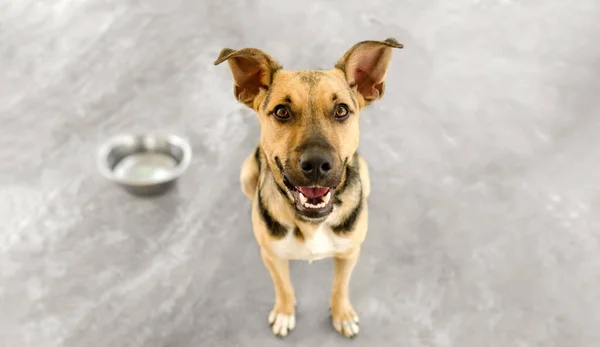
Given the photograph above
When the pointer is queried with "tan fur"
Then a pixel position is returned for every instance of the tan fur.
(279, 141)
(311, 96)
(249, 177)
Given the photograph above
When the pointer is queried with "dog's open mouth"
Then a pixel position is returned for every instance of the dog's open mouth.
(313, 197)
(312, 202)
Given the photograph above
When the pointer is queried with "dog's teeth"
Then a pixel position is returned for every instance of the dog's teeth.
(309, 205)
(303, 199)
(324, 201)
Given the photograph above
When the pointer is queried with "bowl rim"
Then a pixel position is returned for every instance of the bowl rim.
(122, 138)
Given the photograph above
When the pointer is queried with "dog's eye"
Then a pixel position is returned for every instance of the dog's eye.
(281, 112)
(341, 112)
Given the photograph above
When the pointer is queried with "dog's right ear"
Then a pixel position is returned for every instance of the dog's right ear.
(252, 70)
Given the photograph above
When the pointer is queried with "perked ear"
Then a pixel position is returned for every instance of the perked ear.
(252, 70)
(365, 66)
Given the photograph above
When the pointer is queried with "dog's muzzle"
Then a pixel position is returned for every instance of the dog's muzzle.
(312, 202)
(312, 184)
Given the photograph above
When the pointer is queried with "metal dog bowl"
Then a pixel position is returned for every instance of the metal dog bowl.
(144, 164)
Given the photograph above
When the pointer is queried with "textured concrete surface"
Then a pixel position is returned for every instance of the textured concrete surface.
(484, 155)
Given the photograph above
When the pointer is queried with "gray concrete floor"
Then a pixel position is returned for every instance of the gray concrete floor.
(484, 152)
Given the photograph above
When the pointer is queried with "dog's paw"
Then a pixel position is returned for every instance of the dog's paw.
(282, 323)
(345, 319)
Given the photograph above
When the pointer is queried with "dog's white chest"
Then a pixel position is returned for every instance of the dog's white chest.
(322, 244)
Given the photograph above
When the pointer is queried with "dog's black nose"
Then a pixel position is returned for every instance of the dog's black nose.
(316, 163)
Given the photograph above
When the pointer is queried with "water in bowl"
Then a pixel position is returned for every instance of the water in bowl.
(146, 167)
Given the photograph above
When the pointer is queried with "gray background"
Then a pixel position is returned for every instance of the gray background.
(484, 156)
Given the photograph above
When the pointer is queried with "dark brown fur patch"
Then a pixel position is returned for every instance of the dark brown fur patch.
(310, 77)
(282, 190)
(348, 224)
(276, 230)
(274, 70)
(279, 165)
(351, 93)
(267, 98)
(298, 234)
(284, 193)
(257, 157)
(352, 179)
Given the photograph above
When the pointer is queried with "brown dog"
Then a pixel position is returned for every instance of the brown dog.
(307, 183)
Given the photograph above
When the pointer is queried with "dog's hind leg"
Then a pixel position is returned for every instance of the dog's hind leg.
(249, 175)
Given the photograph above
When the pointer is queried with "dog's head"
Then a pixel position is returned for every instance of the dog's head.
(309, 119)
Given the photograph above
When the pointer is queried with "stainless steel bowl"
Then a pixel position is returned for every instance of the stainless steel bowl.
(144, 164)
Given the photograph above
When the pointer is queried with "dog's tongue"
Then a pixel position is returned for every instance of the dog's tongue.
(316, 192)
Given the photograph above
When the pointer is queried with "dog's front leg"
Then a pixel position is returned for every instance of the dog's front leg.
(282, 317)
(344, 318)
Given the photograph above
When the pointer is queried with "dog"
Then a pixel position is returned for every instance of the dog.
(308, 184)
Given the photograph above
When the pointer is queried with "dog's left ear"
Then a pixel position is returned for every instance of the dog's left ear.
(365, 66)
(252, 70)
